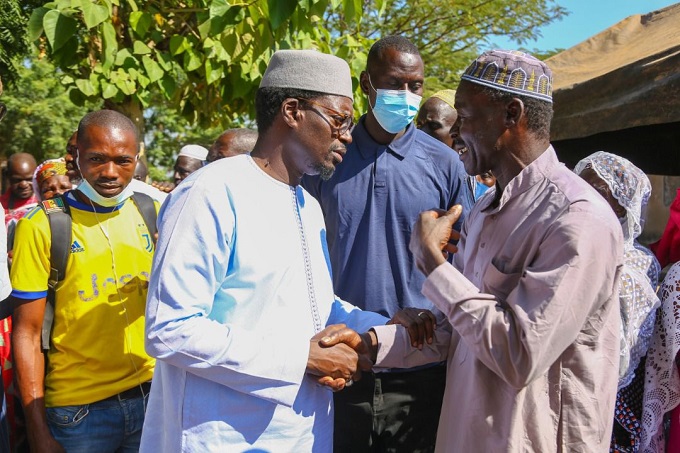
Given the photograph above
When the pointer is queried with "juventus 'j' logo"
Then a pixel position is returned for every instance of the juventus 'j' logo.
(149, 245)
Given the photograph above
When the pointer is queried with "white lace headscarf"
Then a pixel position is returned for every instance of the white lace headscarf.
(632, 189)
(662, 380)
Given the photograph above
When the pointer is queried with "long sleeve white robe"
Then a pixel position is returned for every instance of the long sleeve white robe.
(240, 283)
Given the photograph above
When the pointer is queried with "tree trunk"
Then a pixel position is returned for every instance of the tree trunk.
(131, 108)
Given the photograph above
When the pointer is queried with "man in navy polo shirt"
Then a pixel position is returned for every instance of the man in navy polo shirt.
(392, 171)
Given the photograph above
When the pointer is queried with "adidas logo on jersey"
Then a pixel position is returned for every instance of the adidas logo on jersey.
(76, 247)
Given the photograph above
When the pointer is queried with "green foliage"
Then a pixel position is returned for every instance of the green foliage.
(13, 44)
(542, 54)
(40, 118)
(206, 58)
(194, 65)
(449, 34)
(167, 132)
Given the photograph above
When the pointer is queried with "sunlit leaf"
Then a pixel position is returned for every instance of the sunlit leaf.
(35, 23)
(219, 8)
(58, 28)
(164, 60)
(109, 5)
(177, 44)
(133, 4)
(126, 86)
(191, 60)
(140, 22)
(124, 58)
(143, 81)
(85, 87)
(213, 71)
(220, 53)
(94, 14)
(110, 45)
(139, 48)
(153, 70)
(109, 90)
(205, 29)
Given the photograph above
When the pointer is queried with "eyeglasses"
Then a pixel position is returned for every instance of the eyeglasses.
(3, 110)
(342, 122)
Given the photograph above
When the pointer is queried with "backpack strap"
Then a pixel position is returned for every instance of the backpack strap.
(59, 218)
(147, 208)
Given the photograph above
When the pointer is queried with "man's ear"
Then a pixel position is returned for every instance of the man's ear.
(364, 83)
(514, 111)
(291, 112)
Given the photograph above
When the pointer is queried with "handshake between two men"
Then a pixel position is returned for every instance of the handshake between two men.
(338, 354)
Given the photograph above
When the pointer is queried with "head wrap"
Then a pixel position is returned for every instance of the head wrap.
(448, 96)
(46, 170)
(639, 276)
(194, 151)
(308, 70)
(512, 71)
(628, 184)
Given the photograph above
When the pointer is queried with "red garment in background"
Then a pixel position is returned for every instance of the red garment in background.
(667, 249)
(14, 210)
(7, 376)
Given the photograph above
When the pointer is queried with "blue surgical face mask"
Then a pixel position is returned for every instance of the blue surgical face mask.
(480, 189)
(394, 109)
(90, 192)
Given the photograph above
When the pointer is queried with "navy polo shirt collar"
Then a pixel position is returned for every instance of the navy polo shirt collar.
(368, 147)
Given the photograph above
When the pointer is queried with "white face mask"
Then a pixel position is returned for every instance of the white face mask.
(90, 192)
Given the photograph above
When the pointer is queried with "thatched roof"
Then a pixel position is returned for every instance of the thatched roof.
(619, 91)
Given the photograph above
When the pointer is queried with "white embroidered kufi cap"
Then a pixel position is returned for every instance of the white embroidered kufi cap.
(195, 151)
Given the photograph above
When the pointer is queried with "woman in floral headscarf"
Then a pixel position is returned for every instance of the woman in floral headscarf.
(627, 189)
(50, 180)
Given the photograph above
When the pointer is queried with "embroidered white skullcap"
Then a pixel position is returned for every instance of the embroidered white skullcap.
(195, 151)
(512, 71)
(308, 70)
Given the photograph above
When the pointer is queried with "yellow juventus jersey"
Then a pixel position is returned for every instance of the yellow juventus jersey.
(97, 345)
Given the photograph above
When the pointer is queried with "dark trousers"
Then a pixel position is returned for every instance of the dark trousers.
(390, 412)
(4, 428)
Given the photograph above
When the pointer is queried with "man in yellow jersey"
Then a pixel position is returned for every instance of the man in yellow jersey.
(90, 393)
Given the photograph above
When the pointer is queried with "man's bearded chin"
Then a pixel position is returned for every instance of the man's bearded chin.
(324, 171)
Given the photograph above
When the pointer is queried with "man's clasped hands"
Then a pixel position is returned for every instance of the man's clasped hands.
(338, 354)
